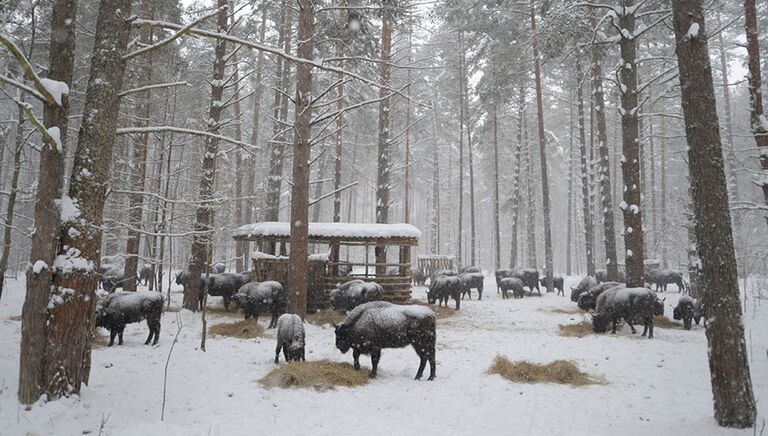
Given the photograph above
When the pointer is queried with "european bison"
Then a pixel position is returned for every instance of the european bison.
(469, 281)
(370, 327)
(632, 304)
(353, 293)
(116, 310)
(290, 337)
(663, 277)
(684, 311)
(444, 287)
(511, 284)
(584, 285)
(257, 297)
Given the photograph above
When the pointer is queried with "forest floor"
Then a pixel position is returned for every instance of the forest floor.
(659, 386)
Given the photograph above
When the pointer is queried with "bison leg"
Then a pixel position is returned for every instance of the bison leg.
(120, 335)
(226, 302)
(422, 365)
(687, 322)
(375, 356)
(480, 293)
(458, 302)
(277, 352)
(356, 358)
(631, 326)
(112, 334)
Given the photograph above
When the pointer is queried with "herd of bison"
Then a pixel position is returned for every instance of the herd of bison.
(371, 325)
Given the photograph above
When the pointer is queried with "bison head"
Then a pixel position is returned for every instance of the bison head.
(342, 338)
(586, 301)
(658, 307)
(599, 323)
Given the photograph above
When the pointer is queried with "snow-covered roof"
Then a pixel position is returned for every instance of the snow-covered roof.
(327, 232)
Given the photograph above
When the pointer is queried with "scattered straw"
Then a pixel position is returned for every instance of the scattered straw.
(325, 316)
(244, 329)
(579, 330)
(666, 323)
(559, 371)
(320, 375)
(441, 312)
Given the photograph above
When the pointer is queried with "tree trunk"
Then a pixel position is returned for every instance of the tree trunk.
(139, 156)
(734, 402)
(33, 380)
(468, 126)
(531, 260)
(435, 182)
(569, 216)
(239, 170)
(604, 166)
(204, 216)
(758, 120)
(663, 188)
(67, 358)
(733, 186)
(460, 235)
(250, 161)
(496, 223)
(589, 236)
(9, 214)
(278, 142)
(516, 189)
(630, 165)
(384, 164)
(298, 280)
(339, 125)
(407, 193)
(548, 255)
(317, 207)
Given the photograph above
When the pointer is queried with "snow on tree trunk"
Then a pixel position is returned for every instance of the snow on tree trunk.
(734, 402)
(73, 300)
(139, 155)
(496, 224)
(240, 251)
(204, 215)
(34, 316)
(589, 235)
(548, 254)
(758, 119)
(630, 164)
(516, 189)
(339, 126)
(299, 269)
(460, 234)
(470, 151)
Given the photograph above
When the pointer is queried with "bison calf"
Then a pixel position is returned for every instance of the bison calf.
(290, 337)
(511, 284)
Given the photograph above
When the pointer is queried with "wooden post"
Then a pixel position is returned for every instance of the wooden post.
(405, 258)
(334, 259)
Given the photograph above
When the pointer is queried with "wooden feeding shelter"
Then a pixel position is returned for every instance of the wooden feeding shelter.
(326, 270)
(431, 263)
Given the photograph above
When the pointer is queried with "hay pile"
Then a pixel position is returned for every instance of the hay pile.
(320, 375)
(244, 329)
(563, 310)
(325, 316)
(579, 330)
(559, 371)
(666, 323)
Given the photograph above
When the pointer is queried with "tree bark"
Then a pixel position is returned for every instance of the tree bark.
(278, 143)
(569, 215)
(604, 166)
(734, 401)
(435, 228)
(470, 152)
(71, 320)
(339, 126)
(548, 254)
(531, 260)
(630, 165)
(204, 216)
(11, 206)
(239, 171)
(299, 269)
(496, 214)
(45, 240)
(384, 164)
(663, 188)
(460, 235)
(758, 120)
(516, 189)
(589, 236)
(139, 156)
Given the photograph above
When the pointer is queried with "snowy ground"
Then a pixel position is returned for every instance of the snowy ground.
(657, 387)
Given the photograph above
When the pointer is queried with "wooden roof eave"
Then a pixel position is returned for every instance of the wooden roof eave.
(349, 241)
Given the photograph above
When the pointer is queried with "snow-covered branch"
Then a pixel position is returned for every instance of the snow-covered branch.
(50, 90)
(163, 129)
(173, 37)
(156, 86)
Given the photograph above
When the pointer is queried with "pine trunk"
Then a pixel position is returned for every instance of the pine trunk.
(139, 156)
(204, 216)
(758, 120)
(470, 153)
(604, 165)
(589, 236)
(299, 269)
(517, 188)
(460, 235)
(383, 156)
(630, 165)
(278, 144)
(71, 320)
(34, 316)
(496, 223)
(240, 253)
(339, 127)
(9, 211)
(734, 402)
(548, 254)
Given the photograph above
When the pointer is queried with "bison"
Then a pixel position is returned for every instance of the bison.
(373, 326)
(116, 310)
